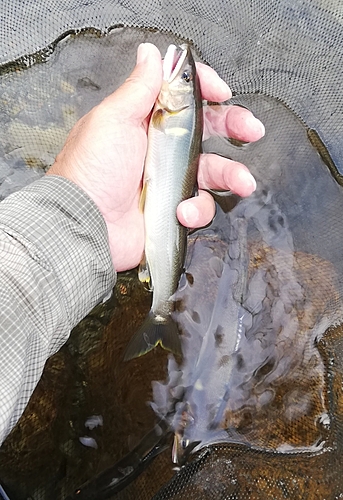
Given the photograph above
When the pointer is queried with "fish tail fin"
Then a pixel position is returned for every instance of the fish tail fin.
(153, 332)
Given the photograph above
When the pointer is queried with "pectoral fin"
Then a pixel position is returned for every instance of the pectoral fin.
(158, 119)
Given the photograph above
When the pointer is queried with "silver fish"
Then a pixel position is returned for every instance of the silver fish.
(174, 143)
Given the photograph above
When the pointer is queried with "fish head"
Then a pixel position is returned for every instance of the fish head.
(179, 76)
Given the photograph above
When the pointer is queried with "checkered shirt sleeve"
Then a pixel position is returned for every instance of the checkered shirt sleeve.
(55, 266)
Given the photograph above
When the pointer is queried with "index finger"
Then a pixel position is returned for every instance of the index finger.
(232, 121)
(213, 88)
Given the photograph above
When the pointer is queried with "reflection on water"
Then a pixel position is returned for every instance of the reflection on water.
(251, 349)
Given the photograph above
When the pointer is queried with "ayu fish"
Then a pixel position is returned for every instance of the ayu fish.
(174, 143)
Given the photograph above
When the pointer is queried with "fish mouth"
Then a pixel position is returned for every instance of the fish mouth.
(173, 61)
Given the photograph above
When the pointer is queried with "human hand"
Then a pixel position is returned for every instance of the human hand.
(105, 151)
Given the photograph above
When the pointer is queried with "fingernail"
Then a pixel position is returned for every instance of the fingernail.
(247, 179)
(261, 126)
(256, 125)
(224, 88)
(190, 213)
(142, 53)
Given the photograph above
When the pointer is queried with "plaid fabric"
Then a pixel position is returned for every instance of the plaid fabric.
(55, 266)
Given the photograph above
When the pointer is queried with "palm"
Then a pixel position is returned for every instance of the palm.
(123, 217)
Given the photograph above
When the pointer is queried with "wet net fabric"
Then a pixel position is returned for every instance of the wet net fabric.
(276, 258)
(291, 51)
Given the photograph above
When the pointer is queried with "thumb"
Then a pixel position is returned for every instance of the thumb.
(136, 97)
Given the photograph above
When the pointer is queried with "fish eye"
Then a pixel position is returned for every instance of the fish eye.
(186, 77)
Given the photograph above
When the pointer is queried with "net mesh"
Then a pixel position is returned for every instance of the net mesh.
(281, 412)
